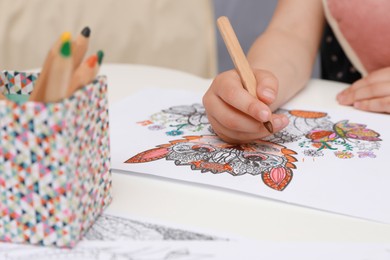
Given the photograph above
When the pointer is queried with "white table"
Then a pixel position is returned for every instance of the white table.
(222, 210)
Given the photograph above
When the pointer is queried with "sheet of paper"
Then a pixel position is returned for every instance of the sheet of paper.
(330, 159)
(116, 236)
(179, 250)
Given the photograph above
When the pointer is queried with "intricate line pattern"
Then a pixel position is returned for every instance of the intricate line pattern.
(111, 228)
(315, 133)
(110, 238)
(208, 153)
(179, 120)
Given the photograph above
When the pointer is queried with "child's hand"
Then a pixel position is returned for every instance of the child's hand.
(371, 93)
(235, 115)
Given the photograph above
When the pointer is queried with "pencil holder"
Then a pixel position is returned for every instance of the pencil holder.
(55, 174)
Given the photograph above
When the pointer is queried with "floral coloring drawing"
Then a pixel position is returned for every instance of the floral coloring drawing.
(179, 120)
(208, 153)
(314, 133)
(318, 135)
(344, 138)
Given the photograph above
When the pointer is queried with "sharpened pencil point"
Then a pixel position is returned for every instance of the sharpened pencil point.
(86, 32)
(65, 44)
(66, 36)
(66, 49)
(100, 55)
(269, 127)
(91, 61)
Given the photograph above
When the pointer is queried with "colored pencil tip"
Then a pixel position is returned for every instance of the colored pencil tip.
(65, 37)
(268, 125)
(100, 55)
(66, 49)
(91, 61)
(86, 32)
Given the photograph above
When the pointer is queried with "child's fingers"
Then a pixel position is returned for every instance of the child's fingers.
(267, 86)
(376, 90)
(229, 88)
(379, 105)
(232, 136)
(347, 96)
(230, 117)
(228, 135)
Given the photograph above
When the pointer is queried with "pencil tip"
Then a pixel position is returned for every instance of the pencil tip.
(269, 127)
(100, 55)
(66, 49)
(66, 36)
(86, 32)
(91, 61)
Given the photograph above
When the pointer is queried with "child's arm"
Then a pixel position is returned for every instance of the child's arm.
(289, 46)
(282, 59)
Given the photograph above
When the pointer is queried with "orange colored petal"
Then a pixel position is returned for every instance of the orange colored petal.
(307, 114)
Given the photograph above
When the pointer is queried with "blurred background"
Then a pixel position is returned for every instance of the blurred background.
(177, 34)
(249, 19)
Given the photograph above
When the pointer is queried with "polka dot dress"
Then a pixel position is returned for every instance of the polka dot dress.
(335, 65)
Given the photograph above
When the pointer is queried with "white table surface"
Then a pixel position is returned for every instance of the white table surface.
(218, 209)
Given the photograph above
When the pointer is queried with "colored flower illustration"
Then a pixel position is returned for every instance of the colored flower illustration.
(313, 131)
(208, 153)
(366, 154)
(156, 127)
(344, 154)
(313, 153)
(174, 132)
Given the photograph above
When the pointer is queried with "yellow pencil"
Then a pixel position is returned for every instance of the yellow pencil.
(239, 59)
(60, 71)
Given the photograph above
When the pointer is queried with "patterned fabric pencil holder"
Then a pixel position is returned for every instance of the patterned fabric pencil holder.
(55, 176)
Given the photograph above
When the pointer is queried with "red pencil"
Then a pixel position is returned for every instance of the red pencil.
(84, 74)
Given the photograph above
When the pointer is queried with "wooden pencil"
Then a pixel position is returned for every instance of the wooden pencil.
(80, 46)
(38, 93)
(2, 97)
(60, 71)
(85, 73)
(240, 62)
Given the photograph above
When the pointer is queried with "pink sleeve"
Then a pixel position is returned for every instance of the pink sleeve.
(363, 30)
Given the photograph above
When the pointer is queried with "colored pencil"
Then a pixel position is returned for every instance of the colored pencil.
(80, 46)
(85, 73)
(2, 97)
(38, 93)
(238, 57)
(60, 71)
